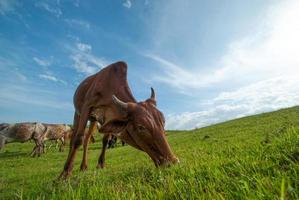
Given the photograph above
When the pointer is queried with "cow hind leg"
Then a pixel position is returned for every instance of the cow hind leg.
(92, 140)
(43, 147)
(76, 140)
(91, 129)
(62, 144)
(101, 161)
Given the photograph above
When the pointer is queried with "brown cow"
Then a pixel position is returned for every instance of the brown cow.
(23, 132)
(140, 124)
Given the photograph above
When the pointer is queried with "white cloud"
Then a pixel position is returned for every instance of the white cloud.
(7, 6)
(263, 96)
(266, 64)
(272, 51)
(78, 23)
(50, 77)
(127, 4)
(83, 47)
(84, 61)
(178, 77)
(42, 62)
(51, 7)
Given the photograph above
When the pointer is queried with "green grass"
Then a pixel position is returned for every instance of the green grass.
(254, 157)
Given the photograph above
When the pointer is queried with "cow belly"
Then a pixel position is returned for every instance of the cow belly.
(11, 140)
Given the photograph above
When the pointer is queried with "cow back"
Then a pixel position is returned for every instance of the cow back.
(96, 91)
(20, 132)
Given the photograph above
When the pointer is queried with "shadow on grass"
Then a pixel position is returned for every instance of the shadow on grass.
(13, 154)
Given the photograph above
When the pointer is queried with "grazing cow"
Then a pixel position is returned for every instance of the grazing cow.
(22, 132)
(57, 132)
(3, 126)
(112, 142)
(140, 124)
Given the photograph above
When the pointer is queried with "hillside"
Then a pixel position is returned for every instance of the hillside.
(255, 157)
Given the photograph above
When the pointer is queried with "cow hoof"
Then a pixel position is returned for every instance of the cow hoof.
(64, 175)
(83, 167)
(100, 166)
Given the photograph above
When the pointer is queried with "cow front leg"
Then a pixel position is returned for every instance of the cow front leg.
(101, 161)
(62, 144)
(91, 129)
(76, 141)
(33, 152)
(37, 149)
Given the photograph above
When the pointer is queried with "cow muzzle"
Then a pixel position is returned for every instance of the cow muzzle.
(166, 162)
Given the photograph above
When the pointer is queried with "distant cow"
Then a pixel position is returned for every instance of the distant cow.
(23, 132)
(38, 132)
(140, 124)
(112, 142)
(3, 126)
(57, 132)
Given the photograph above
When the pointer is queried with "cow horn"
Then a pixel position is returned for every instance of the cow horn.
(153, 94)
(119, 103)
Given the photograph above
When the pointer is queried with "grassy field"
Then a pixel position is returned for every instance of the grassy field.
(255, 157)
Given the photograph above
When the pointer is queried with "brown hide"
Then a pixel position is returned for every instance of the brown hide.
(106, 97)
(56, 131)
(96, 92)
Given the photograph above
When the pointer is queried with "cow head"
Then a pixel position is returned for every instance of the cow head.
(145, 129)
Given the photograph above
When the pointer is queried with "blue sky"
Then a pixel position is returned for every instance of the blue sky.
(209, 61)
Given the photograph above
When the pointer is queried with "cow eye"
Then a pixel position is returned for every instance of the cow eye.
(141, 128)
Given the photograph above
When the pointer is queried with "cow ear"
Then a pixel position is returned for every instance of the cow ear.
(113, 127)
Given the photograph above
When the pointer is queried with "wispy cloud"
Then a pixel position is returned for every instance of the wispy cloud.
(84, 61)
(51, 7)
(47, 74)
(78, 23)
(83, 47)
(76, 3)
(176, 76)
(50, 77)
(272, 51)
(8, 6)
(42, 62)
(265, 64)
(21, 76)
(127, 4)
